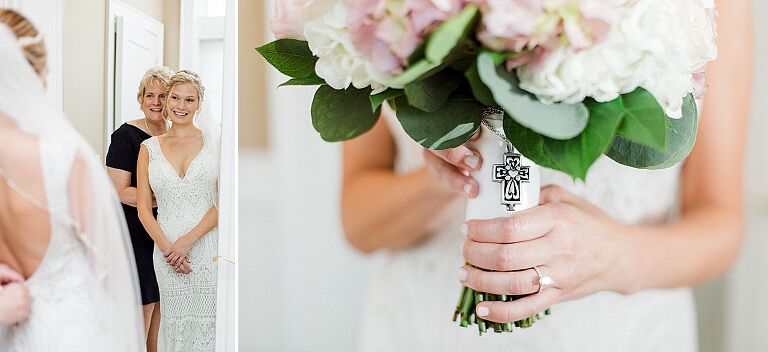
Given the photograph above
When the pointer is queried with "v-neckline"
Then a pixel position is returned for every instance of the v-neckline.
(175, 172)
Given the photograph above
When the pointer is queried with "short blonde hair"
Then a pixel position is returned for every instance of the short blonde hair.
(31, 39)
(159, 75)
(186, 76)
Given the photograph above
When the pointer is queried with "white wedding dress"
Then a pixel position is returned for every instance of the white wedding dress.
(65, 291)
(413, 296)
(187, 302)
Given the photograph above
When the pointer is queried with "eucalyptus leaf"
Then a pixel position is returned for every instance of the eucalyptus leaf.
(450, 33)
(479, 89)
(558, 121)
(680, 137)
(339, 115)
(432, 93)
(446, 45)
(573, 156)
(644, 119)
(378, 99)
(449, 127)
(290, 56)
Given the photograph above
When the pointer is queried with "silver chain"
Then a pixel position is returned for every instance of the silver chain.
(147, 126)
(493, 111)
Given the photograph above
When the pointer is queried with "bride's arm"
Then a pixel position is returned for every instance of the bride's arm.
(707, 239)
(144, 202)
(585, 251)
(379, 208)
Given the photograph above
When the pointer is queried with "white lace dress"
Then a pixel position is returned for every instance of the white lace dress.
(413, 296)
(66, 296)
(187, 302)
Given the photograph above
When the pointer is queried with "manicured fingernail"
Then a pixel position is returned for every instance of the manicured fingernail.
(483, 311)
(472, 161)
(463, 229)
(462, 274)
(468, 188)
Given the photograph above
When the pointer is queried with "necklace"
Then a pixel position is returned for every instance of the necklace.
(147, 126)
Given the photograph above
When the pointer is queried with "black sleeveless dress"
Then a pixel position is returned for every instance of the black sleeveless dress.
(123, 154)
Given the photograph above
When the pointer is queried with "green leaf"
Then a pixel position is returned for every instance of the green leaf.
(680, 137)
(378, 99)
(448, 127)
(446, 45)
(340, 115)
(644, 119)
(290, 56)
(311, 80)
(450, 33)
(479, 89)
(573, 156)
(558, 121)
(432, 93)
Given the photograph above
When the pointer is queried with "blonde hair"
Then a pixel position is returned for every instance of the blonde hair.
(159, 75)
(30, 39)
(185, 76)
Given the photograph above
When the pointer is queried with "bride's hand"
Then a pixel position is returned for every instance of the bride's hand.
(8, 275)
(453, 166)
(570, 241)
(15, 301)
(179, 250)
(185, 266)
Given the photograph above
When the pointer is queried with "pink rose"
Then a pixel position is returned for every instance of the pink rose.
(389, 31)
(291, 16)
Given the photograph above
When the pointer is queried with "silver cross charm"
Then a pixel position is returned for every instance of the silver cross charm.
(511, 174)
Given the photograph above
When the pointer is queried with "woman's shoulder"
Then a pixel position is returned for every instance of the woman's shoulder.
(151, 143)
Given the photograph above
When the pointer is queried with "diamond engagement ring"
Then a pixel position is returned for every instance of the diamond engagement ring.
(544, 280)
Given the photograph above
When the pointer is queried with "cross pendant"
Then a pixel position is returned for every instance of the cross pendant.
(511, 174)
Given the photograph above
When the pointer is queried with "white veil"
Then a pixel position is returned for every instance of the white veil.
(94, 213)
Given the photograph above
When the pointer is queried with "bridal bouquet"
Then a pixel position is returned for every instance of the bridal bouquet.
(575, 79)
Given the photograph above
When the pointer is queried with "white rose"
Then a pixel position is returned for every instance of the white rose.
(657, 45)
(339, 64)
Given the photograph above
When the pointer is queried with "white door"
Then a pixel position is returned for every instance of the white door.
(135, 45)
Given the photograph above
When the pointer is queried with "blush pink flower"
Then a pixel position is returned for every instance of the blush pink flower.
(292, 15)
(517, 25)
(389, 31)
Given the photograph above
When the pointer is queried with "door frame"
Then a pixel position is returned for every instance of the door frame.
(117, 10)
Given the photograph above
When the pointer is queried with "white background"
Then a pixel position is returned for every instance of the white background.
(302, 287)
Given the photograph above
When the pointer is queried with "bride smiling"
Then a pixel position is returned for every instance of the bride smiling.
(180, 168)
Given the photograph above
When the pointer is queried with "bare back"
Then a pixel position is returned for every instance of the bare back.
(25, 228)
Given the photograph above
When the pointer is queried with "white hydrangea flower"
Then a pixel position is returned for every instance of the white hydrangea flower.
(656, 44)
(339, 64)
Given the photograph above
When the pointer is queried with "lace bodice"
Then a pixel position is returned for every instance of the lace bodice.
(183, 200)
(187, 302)
(414, 294)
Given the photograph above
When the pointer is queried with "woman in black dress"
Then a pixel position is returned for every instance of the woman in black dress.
(121, 167)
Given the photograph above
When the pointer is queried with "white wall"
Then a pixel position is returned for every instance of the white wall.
(301, 286)
(747, 298)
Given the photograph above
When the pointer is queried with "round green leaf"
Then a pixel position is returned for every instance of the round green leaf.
(340, 115)
(644, 119)
(448, 127)
(680, 137)
(573, 156)
(558, 121)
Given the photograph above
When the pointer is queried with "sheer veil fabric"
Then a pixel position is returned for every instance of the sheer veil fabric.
(94, 214)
